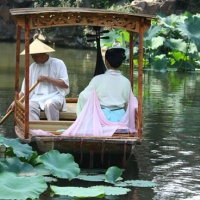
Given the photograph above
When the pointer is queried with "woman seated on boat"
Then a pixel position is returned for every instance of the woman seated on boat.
(49, 94)
(107, 102)
(112, 88)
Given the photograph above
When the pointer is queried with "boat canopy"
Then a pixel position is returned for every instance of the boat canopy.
(44, 17)
(60, 16)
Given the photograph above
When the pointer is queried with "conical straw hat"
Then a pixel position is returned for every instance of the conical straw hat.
(38, 47)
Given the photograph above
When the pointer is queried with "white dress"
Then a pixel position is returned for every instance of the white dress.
(112, 89)
(54, 68)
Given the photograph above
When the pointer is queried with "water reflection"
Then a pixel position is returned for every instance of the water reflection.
(171, 108)
(169, 154)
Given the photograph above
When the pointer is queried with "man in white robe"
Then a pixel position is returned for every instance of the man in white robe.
(49, 94)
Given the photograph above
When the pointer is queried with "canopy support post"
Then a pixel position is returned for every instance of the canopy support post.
(131, 61)
(17, 64)
(140, 76)
(27, 41)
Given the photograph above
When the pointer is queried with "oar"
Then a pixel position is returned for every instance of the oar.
(22, 98)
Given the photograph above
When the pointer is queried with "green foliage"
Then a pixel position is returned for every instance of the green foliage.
(16, 166)
(191, 29)
(60, 165)
(109, 190)
(112, 174)
(78, 192)
(16, 148)
(24, 176)
(21, 187)
(176, 36)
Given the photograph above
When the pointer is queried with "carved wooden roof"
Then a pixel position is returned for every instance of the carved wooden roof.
(44, 17)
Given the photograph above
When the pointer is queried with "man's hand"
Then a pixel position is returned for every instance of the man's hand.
(42, 78)
(57, 82)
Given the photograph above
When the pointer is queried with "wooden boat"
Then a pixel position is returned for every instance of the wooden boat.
(28, 19)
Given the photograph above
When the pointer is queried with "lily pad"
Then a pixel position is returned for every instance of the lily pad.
(19, 149)
(109, 190)
(41, 170)
(15, 187)
(49, 179)
(16, 166)
(78, 192)
(60, 165)
(94, 178)
(112, 174)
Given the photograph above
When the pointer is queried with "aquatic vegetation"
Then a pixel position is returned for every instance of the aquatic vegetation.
(112, 174)
(60, 165)
(21, 187)
(78, 192)
(25, 175)
(171, 42)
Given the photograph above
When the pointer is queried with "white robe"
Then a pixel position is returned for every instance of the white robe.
(112, 88)
(53, 68)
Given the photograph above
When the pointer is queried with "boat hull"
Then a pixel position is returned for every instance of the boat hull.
(87, 151)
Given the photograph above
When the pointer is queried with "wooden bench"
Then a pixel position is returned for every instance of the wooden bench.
(70, 114)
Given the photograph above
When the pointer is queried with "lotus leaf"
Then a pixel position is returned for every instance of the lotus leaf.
(1, 140)
(192, 48)
(161, 56)
(177, 55)
(19, 149)
(108, 42)
(176, 44)
(198, 62)
(49, 179)
(155, 42)
(94, 178)
(183, 66)
(191, 29)
(109, 190)
(124, 37)
(160, 63)
(78, 192)
(60, 165)
(15, 187)
(16, 166)
(169, 21)
(112, 174)
(152, 32)
(41, 170)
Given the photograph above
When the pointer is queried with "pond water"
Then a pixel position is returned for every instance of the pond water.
(169, 153)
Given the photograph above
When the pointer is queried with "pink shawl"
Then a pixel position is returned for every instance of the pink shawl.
(92, 122)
